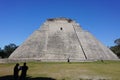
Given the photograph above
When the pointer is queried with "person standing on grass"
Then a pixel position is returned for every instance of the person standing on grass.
(24, 69)
(68, 60)
(16, 71)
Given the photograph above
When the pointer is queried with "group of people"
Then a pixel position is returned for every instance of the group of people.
(23, 69)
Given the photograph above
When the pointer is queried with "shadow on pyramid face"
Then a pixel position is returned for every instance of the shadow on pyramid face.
(10, 77)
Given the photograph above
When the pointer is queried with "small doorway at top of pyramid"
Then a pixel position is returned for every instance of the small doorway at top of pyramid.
(61, 28)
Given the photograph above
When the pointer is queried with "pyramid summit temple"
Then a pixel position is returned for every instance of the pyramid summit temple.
(62, 39)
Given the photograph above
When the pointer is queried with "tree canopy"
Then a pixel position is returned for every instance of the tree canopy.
(116, 48)
(117, 41)
(8, 49)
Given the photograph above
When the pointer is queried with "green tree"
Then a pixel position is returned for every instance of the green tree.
(117, 41)
(116, 48)
(2, 54)
(8, 49)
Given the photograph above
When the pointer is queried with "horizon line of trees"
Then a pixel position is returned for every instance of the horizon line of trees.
(8, 49)
(116, 48)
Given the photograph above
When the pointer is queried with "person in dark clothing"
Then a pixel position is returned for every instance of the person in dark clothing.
(16, 71)
(68, 60)
(24, 69)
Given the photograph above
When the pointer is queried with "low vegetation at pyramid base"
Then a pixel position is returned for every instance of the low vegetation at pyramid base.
(107, 70)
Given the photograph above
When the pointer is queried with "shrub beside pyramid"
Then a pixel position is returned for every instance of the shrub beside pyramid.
(60, 39)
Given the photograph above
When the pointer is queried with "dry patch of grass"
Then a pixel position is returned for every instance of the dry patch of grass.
(109, 70)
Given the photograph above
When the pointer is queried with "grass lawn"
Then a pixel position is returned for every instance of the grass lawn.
(109, 70)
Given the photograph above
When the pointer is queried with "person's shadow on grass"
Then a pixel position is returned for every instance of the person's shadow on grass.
(10, 77)
(41, 78)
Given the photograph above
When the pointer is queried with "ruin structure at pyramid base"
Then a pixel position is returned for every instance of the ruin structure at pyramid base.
(62, 39)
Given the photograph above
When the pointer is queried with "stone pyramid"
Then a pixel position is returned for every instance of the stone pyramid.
(60, 39)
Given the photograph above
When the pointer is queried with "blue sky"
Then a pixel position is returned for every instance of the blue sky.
(20, 18)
